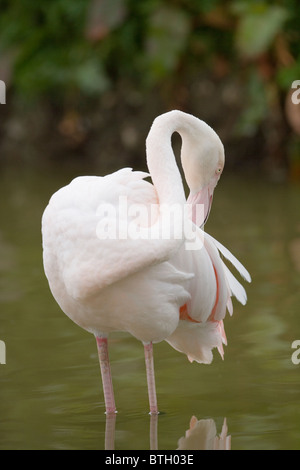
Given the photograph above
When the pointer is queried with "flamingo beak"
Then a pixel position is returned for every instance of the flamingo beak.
(200, 205)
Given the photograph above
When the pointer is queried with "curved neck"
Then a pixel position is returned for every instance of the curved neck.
(161, 159)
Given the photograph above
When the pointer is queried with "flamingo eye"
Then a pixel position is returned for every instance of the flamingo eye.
(218, 170)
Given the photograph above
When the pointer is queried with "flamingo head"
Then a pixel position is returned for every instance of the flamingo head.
(203, 160)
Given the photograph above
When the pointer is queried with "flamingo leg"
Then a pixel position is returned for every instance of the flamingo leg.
(108, 391)
(148, 348)
(110, 426)
(153, 431)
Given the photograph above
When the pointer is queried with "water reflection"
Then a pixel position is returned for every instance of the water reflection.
(110, 426)
(201, 434)
(153, 432)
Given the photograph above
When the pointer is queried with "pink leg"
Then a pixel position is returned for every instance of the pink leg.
(110, 431)
(106, 375)
(148, 348)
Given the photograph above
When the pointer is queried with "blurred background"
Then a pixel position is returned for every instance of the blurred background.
(84, 81)
(86, 78)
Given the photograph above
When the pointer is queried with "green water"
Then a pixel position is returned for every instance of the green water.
(50, 386)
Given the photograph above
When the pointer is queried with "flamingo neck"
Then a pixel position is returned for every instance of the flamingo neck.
(161, 159)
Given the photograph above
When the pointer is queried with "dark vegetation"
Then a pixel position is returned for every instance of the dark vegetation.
(85, 78)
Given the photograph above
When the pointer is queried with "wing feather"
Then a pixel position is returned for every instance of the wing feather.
(88, 259)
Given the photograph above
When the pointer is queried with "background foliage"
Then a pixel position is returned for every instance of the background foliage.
(73, 55)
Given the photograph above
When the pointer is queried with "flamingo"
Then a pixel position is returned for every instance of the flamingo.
(154, 288)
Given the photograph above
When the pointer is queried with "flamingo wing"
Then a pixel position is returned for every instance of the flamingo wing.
(79, 225)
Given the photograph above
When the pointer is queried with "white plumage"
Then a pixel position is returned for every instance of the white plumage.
(154, 288)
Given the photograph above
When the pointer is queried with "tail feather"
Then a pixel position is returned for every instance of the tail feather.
(230, 257)
(197, 340)
(236, 288)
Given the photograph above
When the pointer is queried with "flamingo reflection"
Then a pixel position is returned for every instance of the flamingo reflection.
(201, 435)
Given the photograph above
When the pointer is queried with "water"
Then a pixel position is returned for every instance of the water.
(50, 386)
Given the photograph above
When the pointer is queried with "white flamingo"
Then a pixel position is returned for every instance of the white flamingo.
(154, 288)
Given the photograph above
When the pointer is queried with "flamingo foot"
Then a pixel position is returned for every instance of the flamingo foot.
(108, 391)
(148, 348)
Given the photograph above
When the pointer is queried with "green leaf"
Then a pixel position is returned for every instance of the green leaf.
(166, 40)
(258, 26)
